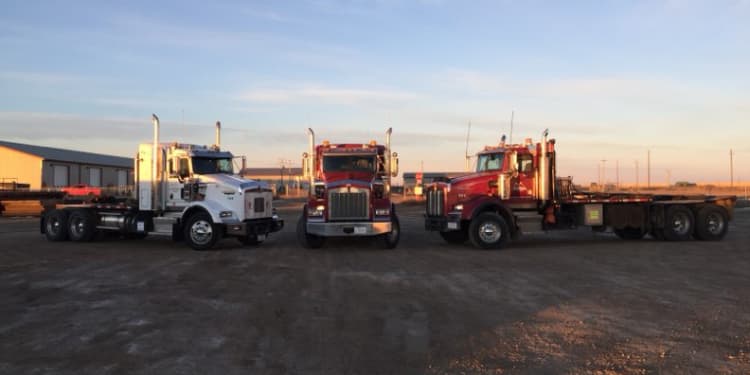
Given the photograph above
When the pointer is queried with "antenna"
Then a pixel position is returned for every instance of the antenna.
(467, 156)
(512, 113)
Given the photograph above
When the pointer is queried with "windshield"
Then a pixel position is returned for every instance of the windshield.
(490, 162)
(341, 163)
(212, 166)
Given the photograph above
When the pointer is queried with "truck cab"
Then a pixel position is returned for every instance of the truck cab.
(349, 192)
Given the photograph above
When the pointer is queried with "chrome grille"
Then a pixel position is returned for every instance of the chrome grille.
(348, 205)
(258, 204)
(435, 201)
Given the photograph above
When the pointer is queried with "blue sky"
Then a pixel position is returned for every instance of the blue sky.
(610, 79)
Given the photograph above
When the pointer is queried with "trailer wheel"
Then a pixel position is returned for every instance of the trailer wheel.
(308, 241)
(678, 223)
(390, 240)
(200, 232)
(489, 231)
(455, 237)
(629, 233)
(81, 225)
(711, 224)
(56, 225)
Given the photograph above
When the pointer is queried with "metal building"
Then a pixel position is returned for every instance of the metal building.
(46, 167)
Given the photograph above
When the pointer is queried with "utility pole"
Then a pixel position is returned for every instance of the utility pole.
(636, 176)
(466, 154)
(617, 174)
(648, 169)
(731, 168)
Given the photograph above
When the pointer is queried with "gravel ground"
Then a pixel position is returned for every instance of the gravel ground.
(573, 302)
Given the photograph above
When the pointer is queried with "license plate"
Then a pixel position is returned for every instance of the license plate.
(452, 225)
(261, 237)
(360, 230)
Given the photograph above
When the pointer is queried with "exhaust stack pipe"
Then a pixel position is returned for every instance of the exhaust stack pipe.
(155, 165)
(543, 169)
(218, 134)
(311, 164)
(388, 164)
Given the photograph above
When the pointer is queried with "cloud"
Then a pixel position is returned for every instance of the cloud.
(325, 94)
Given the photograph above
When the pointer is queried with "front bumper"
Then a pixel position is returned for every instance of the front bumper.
(255, 226)
(348, 229)
(442, 223)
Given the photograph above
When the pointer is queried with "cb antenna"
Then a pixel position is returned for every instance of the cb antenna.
(512, 113)
(467, 156)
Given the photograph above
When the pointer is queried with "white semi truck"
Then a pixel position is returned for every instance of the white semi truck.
(188, 192)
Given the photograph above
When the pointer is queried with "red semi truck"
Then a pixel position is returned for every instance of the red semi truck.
(515, 189)
(350, 192)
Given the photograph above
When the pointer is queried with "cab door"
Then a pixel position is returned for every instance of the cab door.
(523, 184)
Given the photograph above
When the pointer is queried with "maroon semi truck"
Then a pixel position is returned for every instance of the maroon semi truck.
(350, 192)
(515, 189)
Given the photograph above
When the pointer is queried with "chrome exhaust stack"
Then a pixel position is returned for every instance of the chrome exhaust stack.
(218, 135)
(155, 196)
(388, 161)
(311, 160)
(544, 169)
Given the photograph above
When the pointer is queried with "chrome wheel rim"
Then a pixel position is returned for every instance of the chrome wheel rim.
(681, 223)
(201, 232)
(53, 226)
(76, 226)
(714, 223)
(489, 232)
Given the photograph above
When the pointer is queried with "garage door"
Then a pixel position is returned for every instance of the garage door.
(60, 175)
(95, 177)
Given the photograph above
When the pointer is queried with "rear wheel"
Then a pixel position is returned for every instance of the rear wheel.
(390, 240)
(200, 232)
(678, 223)
(711, 223)
(56, 225)
(81, 225)
(630, 233)
(455, 237)
(308, 241)
(489, 231)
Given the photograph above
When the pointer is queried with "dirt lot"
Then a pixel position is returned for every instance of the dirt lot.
(557, 303)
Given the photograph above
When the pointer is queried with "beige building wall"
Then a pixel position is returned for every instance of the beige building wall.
(20, 167)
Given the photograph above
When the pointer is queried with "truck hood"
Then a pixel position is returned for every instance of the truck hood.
(233, 181)
(359, 179)
(475, 182)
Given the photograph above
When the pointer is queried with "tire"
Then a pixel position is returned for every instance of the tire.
(711, 224)
(81, 225)
(630, 233)
(308, 241)
(200, 232)
(678, 223)
(56, 225)
(250, 240)
(455, 237)
(390, 240)
(489, 231)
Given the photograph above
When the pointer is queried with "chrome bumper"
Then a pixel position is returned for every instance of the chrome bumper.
(348, 229)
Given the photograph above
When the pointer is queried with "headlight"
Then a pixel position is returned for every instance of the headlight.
(458, 207)
(318, 211)
(225, 213)
(382, 212)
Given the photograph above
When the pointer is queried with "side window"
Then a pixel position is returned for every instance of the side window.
(184, 169)
(525, 163)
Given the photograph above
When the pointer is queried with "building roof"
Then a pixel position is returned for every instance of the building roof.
(71, 156)
(429, 175)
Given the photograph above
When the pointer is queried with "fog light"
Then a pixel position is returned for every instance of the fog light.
(458, 207)
(225, 214)
(382, 212)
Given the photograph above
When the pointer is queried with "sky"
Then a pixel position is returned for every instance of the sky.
(609, 79)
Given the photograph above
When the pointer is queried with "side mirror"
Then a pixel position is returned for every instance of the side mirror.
(305, 165)
(513, 164)
(394, 165)
(183, 168)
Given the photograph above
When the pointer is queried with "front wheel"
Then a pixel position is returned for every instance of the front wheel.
(390, 239)
(308, 241)
(489, 230)
(200, 232)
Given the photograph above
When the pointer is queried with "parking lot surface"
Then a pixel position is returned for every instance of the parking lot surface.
(572, 302)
